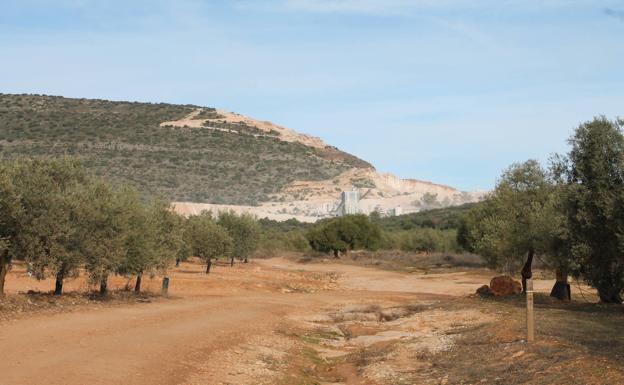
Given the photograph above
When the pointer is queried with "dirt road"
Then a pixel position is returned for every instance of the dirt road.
(196, 336)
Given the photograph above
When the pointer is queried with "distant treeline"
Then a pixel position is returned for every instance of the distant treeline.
(428, 231)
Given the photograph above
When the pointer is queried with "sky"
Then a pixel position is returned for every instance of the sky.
(451, 91)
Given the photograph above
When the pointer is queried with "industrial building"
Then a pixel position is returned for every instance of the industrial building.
(350, 203)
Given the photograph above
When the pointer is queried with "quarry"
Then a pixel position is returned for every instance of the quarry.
(309, 201)
(355, 191)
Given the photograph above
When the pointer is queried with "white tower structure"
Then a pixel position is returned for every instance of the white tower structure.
(350, 203)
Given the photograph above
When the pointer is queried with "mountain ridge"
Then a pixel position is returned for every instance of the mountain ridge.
(203, 155)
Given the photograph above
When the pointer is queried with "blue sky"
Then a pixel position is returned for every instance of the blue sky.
(443, 90)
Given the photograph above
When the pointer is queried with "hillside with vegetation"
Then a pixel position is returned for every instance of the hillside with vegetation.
(442, 218)
(125, 142)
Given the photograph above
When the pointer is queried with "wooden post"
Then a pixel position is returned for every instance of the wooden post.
(165, 286)
(530, 315)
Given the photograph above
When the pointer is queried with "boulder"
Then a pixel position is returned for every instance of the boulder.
(505, 285)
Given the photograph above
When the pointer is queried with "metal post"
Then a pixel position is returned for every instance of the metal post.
(165, 286)
(530, 314)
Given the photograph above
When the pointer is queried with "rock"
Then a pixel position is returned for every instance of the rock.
(505, 285)
(518, 354)
(484, 291)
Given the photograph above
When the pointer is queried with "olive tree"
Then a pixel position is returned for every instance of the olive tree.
(244, 231)
(10, 212)
(170, 227)
(47, 228)
(343, 234)
(141, 254)
(594, 170)
(519, 220)
(208, 240)
(104, 225)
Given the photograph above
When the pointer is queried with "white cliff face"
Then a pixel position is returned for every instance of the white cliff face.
(390, 182)
(309, 201)
(410, 185)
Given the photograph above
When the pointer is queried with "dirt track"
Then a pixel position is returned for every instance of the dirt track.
(193, 337)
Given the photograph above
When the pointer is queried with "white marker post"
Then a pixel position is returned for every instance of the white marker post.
(530, 315)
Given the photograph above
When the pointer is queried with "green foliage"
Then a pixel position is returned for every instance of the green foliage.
(443, 218)
(273, 242)
(521, 216)
(421, 240)
(342, 234)
(429, 201)
(48, 229)
(140, 242)
(124, 143)
(153, 238)
(10, 213)
(244, 231)
(58, 218)
(594, 171)
(207, 239)
(169, 233)
(104, 225)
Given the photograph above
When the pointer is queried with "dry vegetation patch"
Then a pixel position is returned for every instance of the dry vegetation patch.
(576, 344)
(27, 304)
(463, 341)
(376, 343)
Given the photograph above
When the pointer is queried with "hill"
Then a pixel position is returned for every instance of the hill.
(181, 152)
(204, 158)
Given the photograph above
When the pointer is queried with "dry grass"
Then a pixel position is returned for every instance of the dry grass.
(576, 343)
(409, 262)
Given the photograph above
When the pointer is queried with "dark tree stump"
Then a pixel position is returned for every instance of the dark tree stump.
(561, 291)
(137, 286)
(104, 285)
(58, 285)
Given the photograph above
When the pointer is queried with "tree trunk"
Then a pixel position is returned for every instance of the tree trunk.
(610, 296)
(336, 254)
(245, 260)
(208, 265)
(232, 262)
(4, 267)
(5, 262)
(137, 286)
(104, 285)
(60, 277)
(561, 289)
(58, 286)
(527, 271)
(177, 262)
